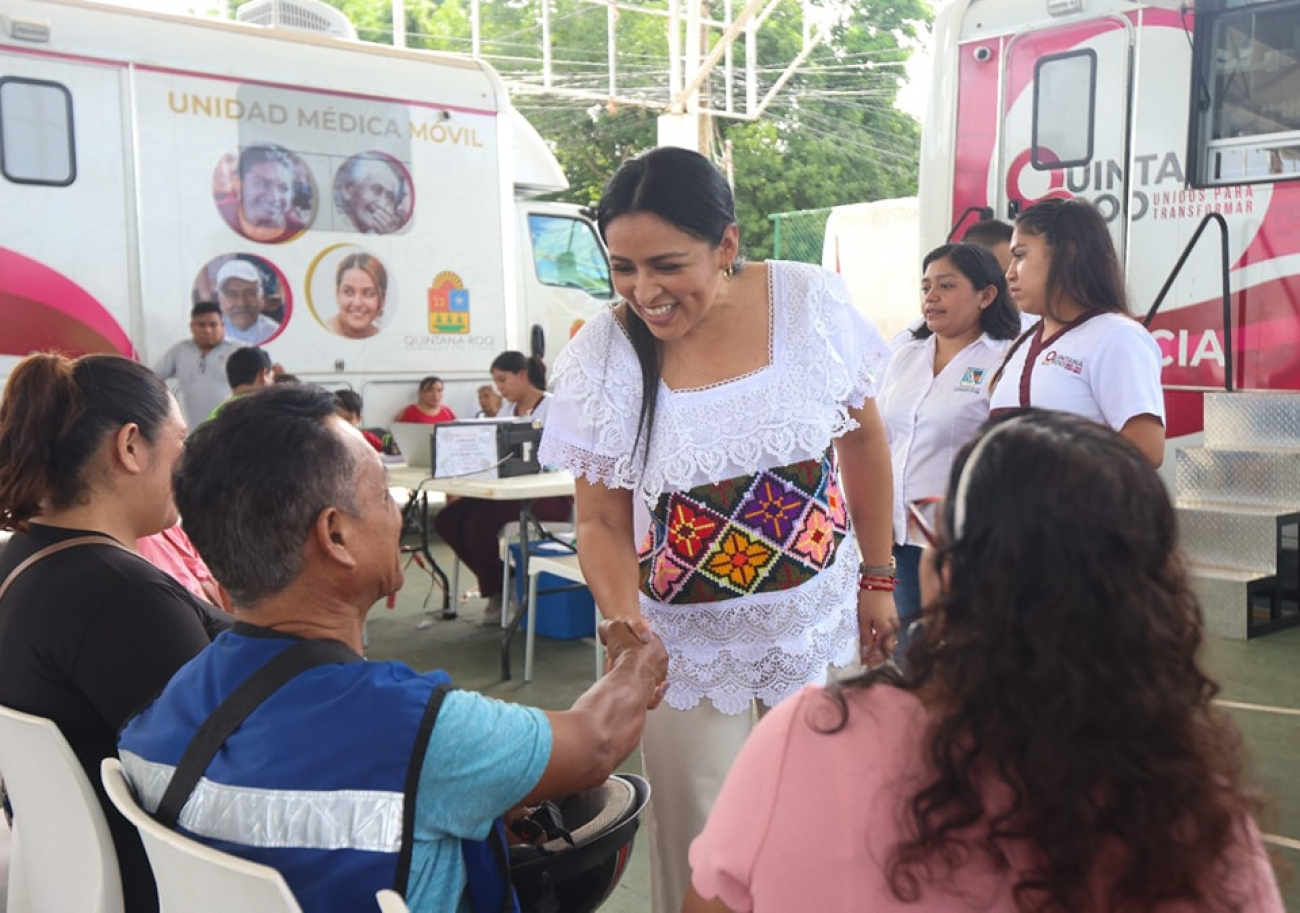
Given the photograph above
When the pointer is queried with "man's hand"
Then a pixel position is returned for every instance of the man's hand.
(632, 641)
(513, 837)
(603, 727)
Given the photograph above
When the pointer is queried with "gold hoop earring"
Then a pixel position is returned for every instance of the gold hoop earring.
(728, 272)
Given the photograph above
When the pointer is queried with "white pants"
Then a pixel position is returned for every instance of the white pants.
(686, 755)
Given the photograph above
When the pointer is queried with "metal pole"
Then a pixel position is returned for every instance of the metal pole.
(728, 71)
(674, 57)
(546, 43)
(728, 36)
(611, 42)
(399, 23)
(475, 28)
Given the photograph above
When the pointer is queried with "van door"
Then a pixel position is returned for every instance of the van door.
(1066, 117)
(67, 270)
(564, 274)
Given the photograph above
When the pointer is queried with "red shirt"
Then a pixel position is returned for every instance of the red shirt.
(412, 413)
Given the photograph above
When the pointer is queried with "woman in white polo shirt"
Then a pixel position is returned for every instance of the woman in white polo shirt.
(934, 396)
(1087, 355)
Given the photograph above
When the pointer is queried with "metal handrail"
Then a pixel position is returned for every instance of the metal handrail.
(1229, 373)
(984, 213)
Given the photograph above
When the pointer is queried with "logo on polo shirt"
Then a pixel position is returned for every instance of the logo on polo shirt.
(1069, 363)
(971, 380)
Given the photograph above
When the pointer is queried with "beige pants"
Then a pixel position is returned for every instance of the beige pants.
(686, 755)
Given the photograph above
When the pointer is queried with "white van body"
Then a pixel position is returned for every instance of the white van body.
(121, 135)
(1181, 123)
(876, 247)
(1163, 116)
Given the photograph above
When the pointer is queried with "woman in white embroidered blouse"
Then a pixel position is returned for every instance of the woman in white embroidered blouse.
(729, 406)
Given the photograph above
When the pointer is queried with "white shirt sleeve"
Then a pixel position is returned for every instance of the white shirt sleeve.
(1125, 375)
(591, 420)
(853, 338)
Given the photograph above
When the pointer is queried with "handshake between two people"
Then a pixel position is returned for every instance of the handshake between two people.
(632, 642)
(603, 727)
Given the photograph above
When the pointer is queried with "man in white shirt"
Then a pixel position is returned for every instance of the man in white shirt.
(198, 364)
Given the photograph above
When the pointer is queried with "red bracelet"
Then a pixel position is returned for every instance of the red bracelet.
(884, 584)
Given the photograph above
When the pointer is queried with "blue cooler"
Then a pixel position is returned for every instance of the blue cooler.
(565, 615)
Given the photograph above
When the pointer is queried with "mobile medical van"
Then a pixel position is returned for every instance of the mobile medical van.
(1181, 122)
(145, 157)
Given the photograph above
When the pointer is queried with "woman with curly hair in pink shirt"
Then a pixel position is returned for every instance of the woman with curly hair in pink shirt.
(1053, 748)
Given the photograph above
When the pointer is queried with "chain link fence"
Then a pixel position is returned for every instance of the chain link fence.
(798, 235)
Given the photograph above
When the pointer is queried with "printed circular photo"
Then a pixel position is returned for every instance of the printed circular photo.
(373, 193)
(265, 193)
(349, 292)
(252, 293)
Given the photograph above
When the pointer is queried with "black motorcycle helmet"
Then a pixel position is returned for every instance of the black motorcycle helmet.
(557, 877)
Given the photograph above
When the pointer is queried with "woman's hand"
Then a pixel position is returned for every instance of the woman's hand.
(877, 626)
(618, 636)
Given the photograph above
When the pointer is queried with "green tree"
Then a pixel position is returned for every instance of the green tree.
(832, 135)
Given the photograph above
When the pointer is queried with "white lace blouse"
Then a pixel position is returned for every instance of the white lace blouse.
(825, 358)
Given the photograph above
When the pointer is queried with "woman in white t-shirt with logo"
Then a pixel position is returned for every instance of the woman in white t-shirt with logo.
(935, 393)
(1087, 355)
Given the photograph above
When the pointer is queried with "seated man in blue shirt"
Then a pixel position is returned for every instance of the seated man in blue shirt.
(352, 776)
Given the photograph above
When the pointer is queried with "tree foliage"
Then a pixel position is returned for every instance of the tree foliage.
(831, 135)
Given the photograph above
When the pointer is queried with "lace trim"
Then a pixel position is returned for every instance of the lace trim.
(827, 362)
(730, 653)
(771, 346)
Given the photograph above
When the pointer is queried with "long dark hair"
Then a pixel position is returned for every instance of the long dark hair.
(1084, 264)
(514, 362)
(685, 190)
(1000, 320)
(1062, 658)
(56, 413)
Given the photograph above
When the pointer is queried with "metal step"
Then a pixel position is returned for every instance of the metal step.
(1259, 478)
(1239, 537)
(1224, 595)
(1252, 419)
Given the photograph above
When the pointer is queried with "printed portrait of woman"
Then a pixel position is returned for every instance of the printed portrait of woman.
(360, 285)
(373, 193)
(349, 291)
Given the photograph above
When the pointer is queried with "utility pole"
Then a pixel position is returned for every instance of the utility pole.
(686, 124)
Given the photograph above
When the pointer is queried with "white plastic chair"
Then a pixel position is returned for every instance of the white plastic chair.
(391, 902)
(62, 856)
(191, 877)
(509, 536)
(566, 567)
(6, 844)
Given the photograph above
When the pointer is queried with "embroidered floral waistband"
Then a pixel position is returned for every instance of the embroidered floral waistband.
(760, 533)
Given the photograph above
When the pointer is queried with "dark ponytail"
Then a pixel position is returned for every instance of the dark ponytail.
(514, 362)
(55, 414)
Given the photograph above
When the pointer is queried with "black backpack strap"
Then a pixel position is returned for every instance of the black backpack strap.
(235, 709)
(412, 785)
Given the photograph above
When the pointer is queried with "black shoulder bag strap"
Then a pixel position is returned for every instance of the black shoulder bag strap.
(235, 709)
